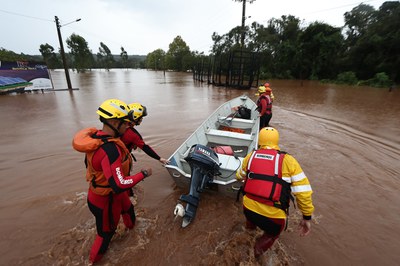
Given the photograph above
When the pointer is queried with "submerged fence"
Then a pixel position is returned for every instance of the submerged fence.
(237, 69)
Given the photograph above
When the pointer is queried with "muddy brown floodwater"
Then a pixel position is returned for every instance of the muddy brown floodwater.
(347, 140)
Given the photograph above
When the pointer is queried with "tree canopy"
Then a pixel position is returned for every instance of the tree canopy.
(105, 57)
(82, 56)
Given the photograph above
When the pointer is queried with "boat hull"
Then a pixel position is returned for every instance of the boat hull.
(223, 127)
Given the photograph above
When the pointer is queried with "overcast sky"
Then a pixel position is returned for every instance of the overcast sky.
(142, 26)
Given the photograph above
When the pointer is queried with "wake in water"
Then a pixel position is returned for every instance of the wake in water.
(216, 237)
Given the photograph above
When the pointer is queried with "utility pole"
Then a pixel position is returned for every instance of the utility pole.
(243, 21)
(242, 37)
(62, 50)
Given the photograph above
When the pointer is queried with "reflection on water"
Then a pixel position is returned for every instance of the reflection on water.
(346, 139)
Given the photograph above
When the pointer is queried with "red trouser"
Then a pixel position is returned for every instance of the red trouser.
(107, 211)
(272, 228)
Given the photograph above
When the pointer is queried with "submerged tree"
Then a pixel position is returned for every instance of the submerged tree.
(156, 60)
(178, 55)
(82, 56)
(49, 56)
(105, 57)
(124, 57)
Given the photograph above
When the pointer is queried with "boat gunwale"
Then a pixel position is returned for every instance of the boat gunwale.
(202, 127)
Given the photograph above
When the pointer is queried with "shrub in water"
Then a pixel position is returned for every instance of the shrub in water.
(381, 80)
(348, 77)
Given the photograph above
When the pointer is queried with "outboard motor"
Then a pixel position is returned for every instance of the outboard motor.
(204, 165)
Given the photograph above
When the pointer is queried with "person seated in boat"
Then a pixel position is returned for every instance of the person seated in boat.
(270, 178)
(108, 167)
(264, 105)
(132, 137)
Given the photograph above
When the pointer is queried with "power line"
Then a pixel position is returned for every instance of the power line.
(26, 16)
(339, 7)
(52, 21)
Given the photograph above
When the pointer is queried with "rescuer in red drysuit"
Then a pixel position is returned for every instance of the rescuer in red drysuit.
(264, 105)
(108, 164)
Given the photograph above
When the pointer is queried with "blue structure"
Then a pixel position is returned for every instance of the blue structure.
(10, 84)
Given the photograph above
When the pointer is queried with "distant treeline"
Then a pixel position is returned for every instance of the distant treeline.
(366, 50)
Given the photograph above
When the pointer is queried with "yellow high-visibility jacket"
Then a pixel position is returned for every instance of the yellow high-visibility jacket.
(300, 186)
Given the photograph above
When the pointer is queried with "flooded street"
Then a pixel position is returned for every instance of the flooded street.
(347, 140)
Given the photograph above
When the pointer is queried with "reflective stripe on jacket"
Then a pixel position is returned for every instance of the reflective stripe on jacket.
(264, 181)
(291, 173)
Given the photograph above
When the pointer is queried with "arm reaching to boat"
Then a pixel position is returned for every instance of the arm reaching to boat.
(132, 137)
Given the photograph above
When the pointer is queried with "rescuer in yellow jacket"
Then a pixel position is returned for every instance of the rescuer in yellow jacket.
(271, 178)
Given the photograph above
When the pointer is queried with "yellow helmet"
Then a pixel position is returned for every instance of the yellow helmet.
(268, 137)
(114, 109)
(138, 111)
(260, 90)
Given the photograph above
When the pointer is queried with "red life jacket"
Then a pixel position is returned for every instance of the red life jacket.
(88, 142)
(269, 103)
(264, 181)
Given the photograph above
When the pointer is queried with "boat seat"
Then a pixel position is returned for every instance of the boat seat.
(229, 162)
(236, 122)
(228, 138)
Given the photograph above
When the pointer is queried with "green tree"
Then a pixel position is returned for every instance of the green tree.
(156, 60)
(278, 46)
(386, 31)
(124, 57)
(82, 56)
(321, 45)
(177, 55)
(377, 48)
(285, 46)
(357, 22)
(7, 55)
(49, 56)
(226, 42)
(105, 57)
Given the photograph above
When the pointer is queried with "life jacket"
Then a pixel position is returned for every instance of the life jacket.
(89, 142)
(269, 103)
(264, 181)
